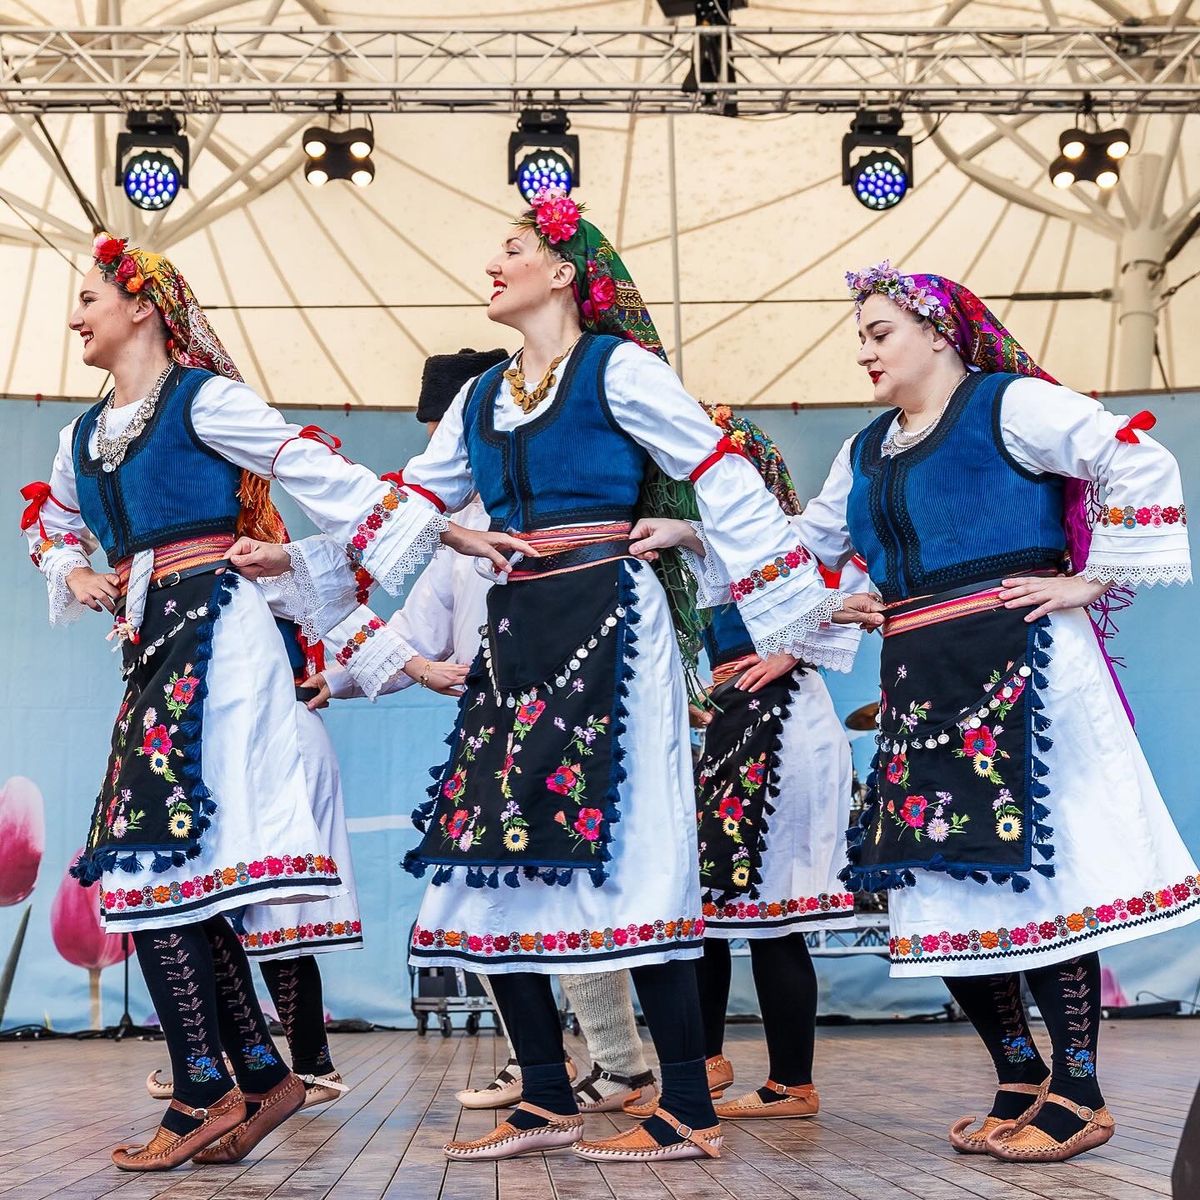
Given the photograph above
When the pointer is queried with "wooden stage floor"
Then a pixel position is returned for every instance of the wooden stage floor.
(889, 1093)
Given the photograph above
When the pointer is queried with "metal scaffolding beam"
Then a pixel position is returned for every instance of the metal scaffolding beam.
(643, 69)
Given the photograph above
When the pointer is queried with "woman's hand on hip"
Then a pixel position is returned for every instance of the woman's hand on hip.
(445, 678)
(95, 590)
(861, 608)
(765, 671)
(323, 696)
(500, 549)
(1050, 593)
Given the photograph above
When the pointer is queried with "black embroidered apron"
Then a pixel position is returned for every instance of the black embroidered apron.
(153, 800)
(736, 780)
(957, 782)
(531, 785)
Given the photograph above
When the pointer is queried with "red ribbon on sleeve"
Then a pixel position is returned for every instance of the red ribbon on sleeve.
(1145, 421)
(314, 433)
(397, 477)
(725, 446)
(310, 433)
(37, 493)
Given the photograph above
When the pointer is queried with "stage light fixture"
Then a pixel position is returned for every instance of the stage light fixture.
(882, 177)
(339, 154)
(541, 153)
(152, 159)
(1072, 144)
(1116, 143)
(1090, 156)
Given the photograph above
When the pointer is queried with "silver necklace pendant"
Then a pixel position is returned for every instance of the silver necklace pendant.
(112, 451)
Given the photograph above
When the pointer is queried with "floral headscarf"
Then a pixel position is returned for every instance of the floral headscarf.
(954, 311)
(192, 342)
(608, 299)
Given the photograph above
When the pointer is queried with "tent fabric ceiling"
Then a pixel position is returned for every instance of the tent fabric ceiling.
(335, 296)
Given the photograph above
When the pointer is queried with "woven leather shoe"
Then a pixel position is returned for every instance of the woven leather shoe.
(166, 1150)
(274, 1107)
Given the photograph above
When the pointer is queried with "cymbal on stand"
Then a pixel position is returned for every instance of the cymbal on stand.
(863, 718)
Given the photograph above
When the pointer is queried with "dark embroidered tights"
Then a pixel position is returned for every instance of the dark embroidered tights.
(295, 987)
(993, 1005)
(178, 968)
(244, 1032)
(1068, 997)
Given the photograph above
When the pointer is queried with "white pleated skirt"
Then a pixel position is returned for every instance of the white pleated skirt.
(275, 930)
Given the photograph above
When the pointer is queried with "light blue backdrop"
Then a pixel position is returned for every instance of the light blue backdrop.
(60, 690)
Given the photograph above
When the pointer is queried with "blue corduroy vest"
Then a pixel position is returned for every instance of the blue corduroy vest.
(955, 509)
(570, 465)
(170, 485)
(726, 636)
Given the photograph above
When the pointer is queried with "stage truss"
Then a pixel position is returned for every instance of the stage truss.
(951, 69)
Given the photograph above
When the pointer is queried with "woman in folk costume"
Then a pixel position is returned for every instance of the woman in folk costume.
(163, 473)
(561, 833)
(1012, 809)
(773, 801)
(425, 642)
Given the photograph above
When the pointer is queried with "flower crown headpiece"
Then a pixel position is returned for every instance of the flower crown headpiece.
(116, 265)
(883, 279)
(555, 216)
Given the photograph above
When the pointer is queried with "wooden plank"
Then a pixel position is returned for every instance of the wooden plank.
(888, 1096)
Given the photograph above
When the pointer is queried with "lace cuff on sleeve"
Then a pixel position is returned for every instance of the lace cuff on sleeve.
(319, 591)
(796, 636)
(712, 584)
(370, 651)
(1141, 553)
(64, 608)
(834, 647)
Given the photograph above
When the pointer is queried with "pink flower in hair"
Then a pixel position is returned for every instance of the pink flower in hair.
(556, 215)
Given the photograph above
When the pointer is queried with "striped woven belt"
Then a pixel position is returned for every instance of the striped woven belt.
(572, 549)
(176, 560)
(934, 609)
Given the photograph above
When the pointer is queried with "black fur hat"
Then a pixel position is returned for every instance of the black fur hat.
(445, 374)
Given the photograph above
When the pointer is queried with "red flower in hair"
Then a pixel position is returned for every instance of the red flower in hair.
(127, 268)
(107, 249)
(557, 217)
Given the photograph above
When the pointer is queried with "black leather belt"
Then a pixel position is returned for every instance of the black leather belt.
(899, 607)
(174, 577)
(581, 556)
